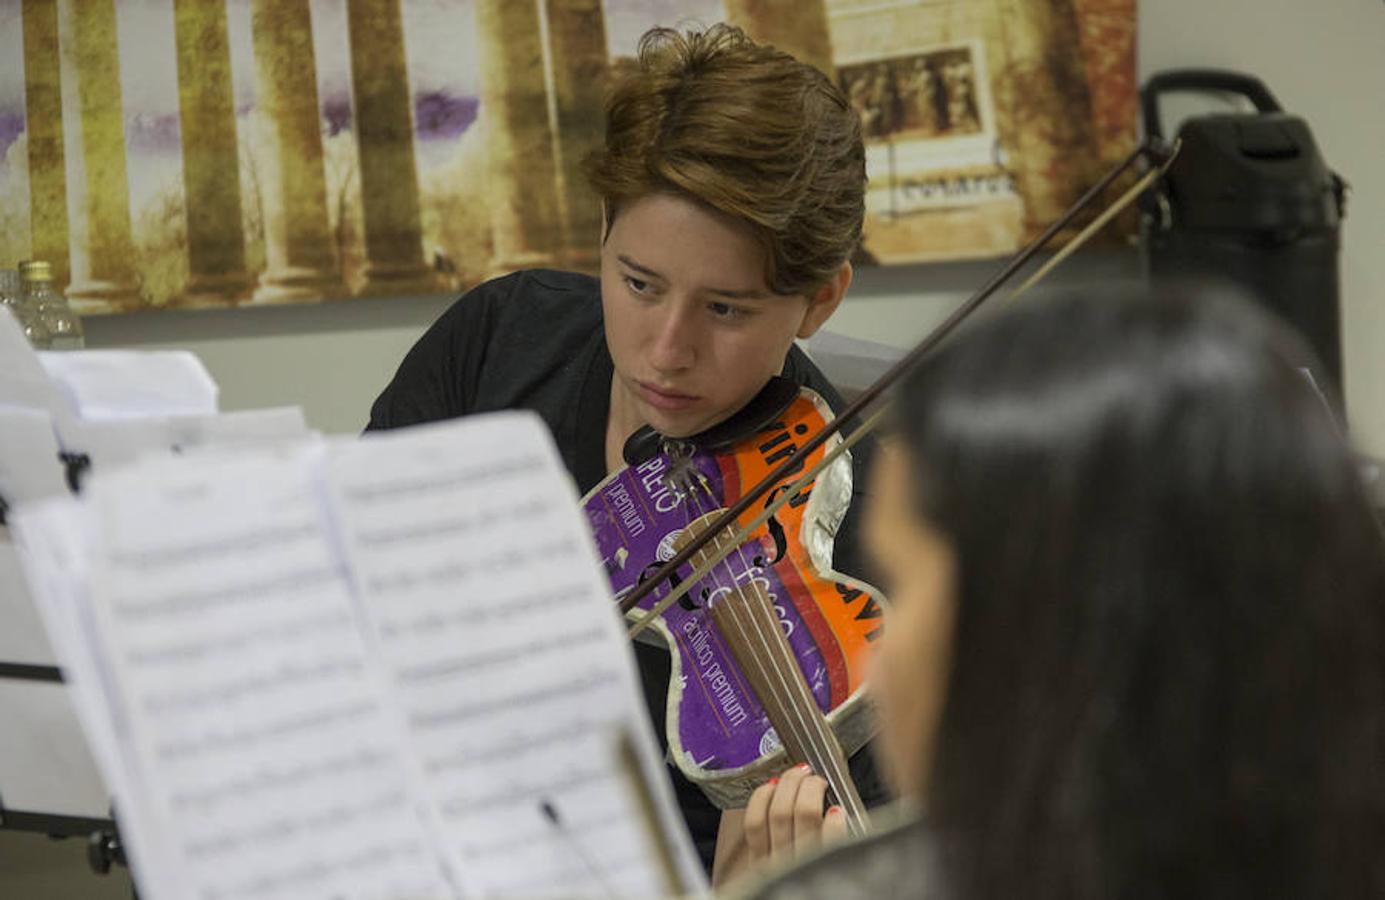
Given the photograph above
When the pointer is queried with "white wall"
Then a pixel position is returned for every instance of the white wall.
(1324, 60)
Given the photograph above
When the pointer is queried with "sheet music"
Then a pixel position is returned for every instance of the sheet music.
(390, 671)
(114, 384)
(117, 442)
(257, 755)
(492, 613)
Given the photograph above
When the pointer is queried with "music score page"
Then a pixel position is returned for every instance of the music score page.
(385, 668)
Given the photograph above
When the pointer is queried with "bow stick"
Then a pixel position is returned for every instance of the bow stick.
(1160, 157)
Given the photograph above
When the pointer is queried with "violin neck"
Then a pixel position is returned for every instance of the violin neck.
(748, 624)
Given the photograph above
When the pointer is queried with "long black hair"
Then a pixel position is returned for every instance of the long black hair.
(1169, 660)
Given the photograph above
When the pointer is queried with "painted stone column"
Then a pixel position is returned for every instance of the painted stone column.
(798, 27)
(385, 138)
(577, 48)
(526, 225)
(1056, 150)
(211, 164)
(300, 258)
(101, 245)
(43, 103)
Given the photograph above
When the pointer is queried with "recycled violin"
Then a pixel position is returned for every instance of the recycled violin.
(769, 648)
(722, 542)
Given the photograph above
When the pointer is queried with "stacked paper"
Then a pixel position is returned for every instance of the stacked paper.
(385, 668)
(109, 408)
(106, 409)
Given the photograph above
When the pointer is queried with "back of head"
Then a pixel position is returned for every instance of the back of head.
(746, 130)
(1169, 659)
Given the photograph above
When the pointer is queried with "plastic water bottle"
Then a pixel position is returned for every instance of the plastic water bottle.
(64, 327)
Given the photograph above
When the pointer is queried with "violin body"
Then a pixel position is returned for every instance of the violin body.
(718, 732)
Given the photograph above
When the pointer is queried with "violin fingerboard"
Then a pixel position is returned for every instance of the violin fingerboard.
(748, 624)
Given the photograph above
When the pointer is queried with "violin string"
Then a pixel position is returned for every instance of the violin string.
(711, 560)
(821, 739)
(772, 649)
(815, 739)
(771, 652)
(800, 735)
(794, 682)
(813, 732)
(760, 661)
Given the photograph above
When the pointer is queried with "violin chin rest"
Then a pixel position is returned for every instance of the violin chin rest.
(773, 399)
(642, 446)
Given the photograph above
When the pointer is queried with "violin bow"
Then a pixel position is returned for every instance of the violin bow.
(1160, 157)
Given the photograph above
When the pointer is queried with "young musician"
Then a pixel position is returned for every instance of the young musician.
(1137, 633)
(733, 181)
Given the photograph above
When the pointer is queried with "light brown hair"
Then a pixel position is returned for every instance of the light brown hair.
(747, 130)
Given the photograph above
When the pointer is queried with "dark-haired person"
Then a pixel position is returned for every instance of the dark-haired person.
(1136, 644)
(733, 180)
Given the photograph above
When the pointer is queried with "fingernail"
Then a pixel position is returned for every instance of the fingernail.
(774, 780)
(804, 767)
(835, 811)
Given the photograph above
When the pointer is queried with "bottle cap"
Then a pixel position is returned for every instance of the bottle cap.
(36, 270)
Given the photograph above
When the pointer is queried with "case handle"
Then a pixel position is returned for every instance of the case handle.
(1201, 80)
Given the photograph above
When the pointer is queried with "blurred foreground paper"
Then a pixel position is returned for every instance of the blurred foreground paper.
(367, 669)
(115, 384)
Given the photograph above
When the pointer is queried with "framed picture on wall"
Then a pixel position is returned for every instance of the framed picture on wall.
(211, 153)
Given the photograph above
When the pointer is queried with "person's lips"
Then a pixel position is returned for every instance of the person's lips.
(661, 398)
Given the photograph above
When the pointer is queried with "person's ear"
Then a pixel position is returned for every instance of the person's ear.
(825, 300)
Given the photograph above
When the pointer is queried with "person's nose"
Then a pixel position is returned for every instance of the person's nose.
(674, 347)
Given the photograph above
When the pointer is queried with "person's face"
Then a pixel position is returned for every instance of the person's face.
(693, 329)
(910, 669)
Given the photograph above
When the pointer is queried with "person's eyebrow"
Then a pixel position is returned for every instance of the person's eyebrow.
(728, 293)
(643, 270)
(746, 294)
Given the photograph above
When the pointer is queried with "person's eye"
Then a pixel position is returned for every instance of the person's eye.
(636, 285)
(728, 312)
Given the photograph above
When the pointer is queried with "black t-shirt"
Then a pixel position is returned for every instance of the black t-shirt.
(534, 340)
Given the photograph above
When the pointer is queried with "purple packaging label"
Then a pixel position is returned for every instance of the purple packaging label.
(635, 517)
